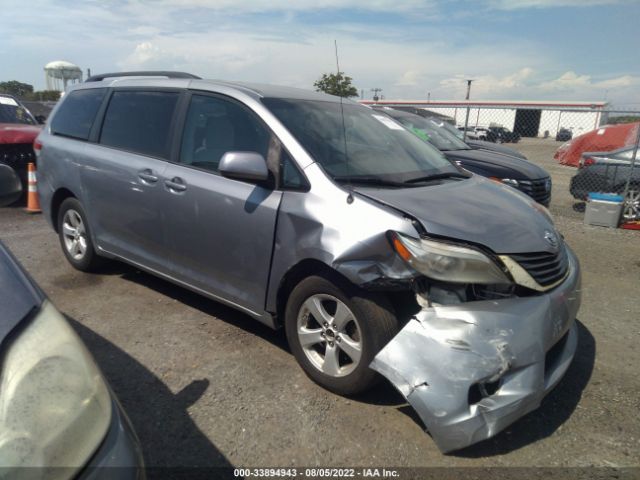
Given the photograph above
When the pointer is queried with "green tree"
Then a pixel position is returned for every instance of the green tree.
(336, 84)
(44, 95)
(624, 119)
(16, 88)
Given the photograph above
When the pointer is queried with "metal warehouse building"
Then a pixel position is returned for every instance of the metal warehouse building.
(528, 118)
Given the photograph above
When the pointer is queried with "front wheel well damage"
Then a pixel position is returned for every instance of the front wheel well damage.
(401, 301)
(58, 197)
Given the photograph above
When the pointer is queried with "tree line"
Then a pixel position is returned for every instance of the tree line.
(25, 91)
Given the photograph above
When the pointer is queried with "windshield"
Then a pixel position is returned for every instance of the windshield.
(378, 148)
(432, 131)
(451, 129)
(12, 112)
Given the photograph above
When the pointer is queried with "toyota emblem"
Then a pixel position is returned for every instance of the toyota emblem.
(551, 238)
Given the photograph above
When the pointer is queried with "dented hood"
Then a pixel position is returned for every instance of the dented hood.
(473, 210)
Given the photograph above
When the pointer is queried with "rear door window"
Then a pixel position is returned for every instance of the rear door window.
(140, 122)
(76, 114)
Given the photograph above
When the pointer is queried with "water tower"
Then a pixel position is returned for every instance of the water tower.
(59, 73)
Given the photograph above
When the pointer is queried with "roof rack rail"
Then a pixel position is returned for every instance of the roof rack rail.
(102, 76)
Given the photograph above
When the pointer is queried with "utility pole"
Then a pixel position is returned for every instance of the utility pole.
(466, 120)
(376, 91)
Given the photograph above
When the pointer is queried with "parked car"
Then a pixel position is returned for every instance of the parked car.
(58, 413)
(603, 139)
(608, 172)
(504, 135)
(18, 130)
(475, 133)
(513, 171)
(325, 217)
(480, 144)
(564, 135)
(445, 122)
(621, 156)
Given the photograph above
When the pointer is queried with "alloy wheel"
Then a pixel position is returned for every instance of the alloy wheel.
(631, 208)
(330, 335)
(75, 234)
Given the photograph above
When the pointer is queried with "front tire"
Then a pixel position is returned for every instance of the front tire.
(75, 237)
(631, 206)
(335, 330)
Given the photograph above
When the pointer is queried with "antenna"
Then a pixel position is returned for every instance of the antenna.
(344, 132)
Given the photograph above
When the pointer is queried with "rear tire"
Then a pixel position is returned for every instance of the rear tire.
(75, 237)
(335, 330)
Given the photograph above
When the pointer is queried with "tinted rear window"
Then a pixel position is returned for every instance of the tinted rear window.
(139, 122)
(75, 116)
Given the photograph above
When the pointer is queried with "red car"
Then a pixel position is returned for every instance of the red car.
(18, 130)
(603, 139)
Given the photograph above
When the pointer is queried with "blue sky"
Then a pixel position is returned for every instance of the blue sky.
(515, 49)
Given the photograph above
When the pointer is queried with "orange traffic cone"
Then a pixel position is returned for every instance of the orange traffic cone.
(33, 202)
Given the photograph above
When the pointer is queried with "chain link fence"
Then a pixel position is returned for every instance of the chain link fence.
(587, 148)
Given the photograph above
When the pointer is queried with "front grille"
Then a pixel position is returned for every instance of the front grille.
(545, 268)
(17, 155)
(539, 190)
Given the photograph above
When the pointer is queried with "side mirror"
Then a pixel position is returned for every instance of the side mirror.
(10, 185)
(249, 166)
(41, 119)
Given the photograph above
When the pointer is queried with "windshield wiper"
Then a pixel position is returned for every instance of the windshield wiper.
(437, 176)
(369, 181)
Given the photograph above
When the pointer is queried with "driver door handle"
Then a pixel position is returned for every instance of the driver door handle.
(176, 184)
(147, 175)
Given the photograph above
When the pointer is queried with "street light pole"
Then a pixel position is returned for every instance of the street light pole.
(466, 120)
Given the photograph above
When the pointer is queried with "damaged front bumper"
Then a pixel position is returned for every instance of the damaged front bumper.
(472, 369)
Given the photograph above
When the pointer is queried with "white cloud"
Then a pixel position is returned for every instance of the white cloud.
(254, 6)
(522, 4)
(410, 78)
(570, 81)
(567, 81)
(486, 86)
(618, 82)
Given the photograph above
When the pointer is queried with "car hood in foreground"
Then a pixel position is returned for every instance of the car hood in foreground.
(473, 210)
(520, 169)
(18, 294)
(18, 133)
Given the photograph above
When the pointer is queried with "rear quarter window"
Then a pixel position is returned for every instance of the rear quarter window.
(76, 114)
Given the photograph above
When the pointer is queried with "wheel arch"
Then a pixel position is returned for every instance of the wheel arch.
(60, 195)
(298, 272)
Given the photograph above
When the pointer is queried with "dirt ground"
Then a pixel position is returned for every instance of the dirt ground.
(205, 385)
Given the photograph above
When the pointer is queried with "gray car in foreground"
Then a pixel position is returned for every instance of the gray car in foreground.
(322, 216)
(59, 417)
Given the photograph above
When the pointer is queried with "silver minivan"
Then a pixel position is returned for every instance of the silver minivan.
(305, 211)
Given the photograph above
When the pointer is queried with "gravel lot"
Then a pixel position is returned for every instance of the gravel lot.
(205, 385)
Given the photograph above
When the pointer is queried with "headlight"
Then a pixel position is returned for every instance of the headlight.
(55, 408)
(450, 263)
(511, 182)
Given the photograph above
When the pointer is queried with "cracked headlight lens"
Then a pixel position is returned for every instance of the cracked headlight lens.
(449, 263)
(55, 407)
